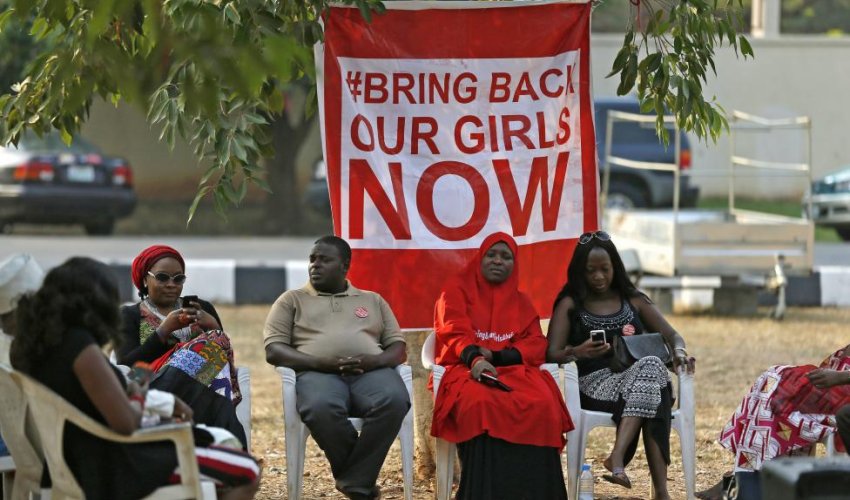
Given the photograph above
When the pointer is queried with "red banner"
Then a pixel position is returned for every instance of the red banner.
(444, 122)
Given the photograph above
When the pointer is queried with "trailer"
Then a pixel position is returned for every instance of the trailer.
(740, 248)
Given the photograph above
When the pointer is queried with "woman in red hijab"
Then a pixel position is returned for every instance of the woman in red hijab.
(182, 339)
(509, 442)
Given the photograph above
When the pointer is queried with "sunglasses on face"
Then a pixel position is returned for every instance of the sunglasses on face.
(178, 278)
(599, 235)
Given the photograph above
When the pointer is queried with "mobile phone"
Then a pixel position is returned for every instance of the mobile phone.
(188, 299)
(598, 336)
(141, 373)
(492, 381)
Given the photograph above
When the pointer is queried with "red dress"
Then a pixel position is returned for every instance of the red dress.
(473, 311)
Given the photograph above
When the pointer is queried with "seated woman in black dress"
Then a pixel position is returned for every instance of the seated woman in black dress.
(184, 342)
(598, 295)
(68, 321)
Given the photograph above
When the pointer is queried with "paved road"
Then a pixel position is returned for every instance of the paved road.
(832, 254)
(52, 250)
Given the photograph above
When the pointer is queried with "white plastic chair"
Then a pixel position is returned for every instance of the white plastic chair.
(7, 469)
(50, 413)
(586, 420)
(446, 451)
(243, 409)
(295, 434)
(13, 426)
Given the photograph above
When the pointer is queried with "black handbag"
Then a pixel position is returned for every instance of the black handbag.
(628, 349)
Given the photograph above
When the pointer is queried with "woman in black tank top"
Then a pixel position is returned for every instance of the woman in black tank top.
(599, 295)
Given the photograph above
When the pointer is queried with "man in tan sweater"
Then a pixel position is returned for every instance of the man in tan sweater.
(343, 343)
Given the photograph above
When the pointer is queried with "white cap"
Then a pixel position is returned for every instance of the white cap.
(19, 274)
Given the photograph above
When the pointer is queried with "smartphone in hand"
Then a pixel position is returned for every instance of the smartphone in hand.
(188, 299)
(492, 381)
(141, 373)
(598, 336)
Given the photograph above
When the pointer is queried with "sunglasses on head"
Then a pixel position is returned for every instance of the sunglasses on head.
(599, 235)
(178, 278)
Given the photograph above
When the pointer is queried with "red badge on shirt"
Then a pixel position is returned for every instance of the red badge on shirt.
(629, 329)
(361, 312)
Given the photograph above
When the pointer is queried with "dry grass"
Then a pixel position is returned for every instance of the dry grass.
(730, 353)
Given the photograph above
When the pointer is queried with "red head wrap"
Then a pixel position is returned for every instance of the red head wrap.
(147, 258)
(486, 306)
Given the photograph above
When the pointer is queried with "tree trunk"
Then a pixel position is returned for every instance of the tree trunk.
(423, 404)
(284, 209)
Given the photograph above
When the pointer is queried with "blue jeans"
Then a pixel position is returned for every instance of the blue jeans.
(3, 450)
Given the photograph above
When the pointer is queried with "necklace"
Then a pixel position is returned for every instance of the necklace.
(607, 321)
(154, 309)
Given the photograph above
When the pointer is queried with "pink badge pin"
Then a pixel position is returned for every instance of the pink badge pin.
(361, 312)
(629, 329)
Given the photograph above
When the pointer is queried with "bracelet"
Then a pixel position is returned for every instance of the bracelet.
(682, 350)
(478, 358)
(137, 400)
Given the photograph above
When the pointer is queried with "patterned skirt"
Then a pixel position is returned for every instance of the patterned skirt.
(640, 387)
(766, 425)
(644, 390)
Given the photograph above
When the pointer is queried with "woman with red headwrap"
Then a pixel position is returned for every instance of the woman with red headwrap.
(509, 442)
(182, 339)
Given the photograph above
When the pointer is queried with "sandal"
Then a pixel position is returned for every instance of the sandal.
(618, 476)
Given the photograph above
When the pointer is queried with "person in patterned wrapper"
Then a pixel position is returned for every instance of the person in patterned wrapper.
(787, 411)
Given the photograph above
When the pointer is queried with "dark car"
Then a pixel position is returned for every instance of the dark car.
(44, 181)
(830, 197)
(637, 188)
(630, 187)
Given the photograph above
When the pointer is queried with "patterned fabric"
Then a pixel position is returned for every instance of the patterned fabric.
(763, 427)
(644, 390)
(205, 356)
(625, 316)
(640, 386)
(224, 466)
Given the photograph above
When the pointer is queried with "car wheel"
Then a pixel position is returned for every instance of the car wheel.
(843, 232)
(624, 197)
(100, 228)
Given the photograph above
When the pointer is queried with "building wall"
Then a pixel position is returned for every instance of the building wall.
(789, 76)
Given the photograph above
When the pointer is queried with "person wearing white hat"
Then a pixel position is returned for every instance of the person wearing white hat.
(19, 274)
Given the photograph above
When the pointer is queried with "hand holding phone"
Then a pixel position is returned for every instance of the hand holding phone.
(598, 336)
(141, 373)
(187, 301)
(492, 381)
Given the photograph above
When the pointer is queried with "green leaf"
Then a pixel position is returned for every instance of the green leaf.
(39, 28)
(4, 18)
(239, 151)
(231, 14)
(365, 11)
(746, 48)
(619, 61)
(202, 192)
(67, 138)
(629, 75)
(102, 14)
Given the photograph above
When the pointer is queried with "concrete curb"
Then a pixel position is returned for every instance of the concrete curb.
(226, 281)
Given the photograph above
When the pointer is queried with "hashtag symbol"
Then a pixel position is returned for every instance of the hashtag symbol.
(353, 81)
